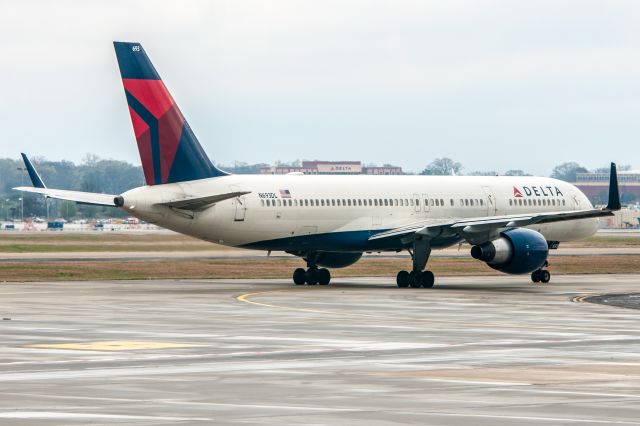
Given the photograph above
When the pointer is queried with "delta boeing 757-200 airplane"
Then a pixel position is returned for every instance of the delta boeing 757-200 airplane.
(330, 221)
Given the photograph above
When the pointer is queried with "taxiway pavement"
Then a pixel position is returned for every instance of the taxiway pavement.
(471, 351)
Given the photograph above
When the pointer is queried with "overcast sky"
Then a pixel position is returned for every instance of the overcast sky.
(495, 85)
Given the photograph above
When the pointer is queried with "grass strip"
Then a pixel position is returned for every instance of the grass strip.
(282, 268)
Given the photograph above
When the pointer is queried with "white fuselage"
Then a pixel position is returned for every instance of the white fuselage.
(339, 213)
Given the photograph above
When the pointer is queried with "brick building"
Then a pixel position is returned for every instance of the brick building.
(596, 186)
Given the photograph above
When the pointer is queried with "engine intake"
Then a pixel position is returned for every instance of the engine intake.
(517, 251)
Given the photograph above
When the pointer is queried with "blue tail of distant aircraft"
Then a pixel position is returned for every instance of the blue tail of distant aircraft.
(169, 150)
(36, 180)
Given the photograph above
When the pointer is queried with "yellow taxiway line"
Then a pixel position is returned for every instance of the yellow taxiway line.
(245, 299)
(112, 345)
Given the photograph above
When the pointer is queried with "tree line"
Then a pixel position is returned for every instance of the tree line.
(565, 171)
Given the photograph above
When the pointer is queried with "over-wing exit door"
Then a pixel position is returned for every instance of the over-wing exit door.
(490, 199)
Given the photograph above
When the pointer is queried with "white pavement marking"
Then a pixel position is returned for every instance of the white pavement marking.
(90, 416)
(556, 420)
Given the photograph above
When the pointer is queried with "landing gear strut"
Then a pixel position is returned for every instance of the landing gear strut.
(417, 277)
(541, 275)
(312, 275)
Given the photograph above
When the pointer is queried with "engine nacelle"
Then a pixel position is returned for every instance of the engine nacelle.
(329, 259)
(517, 251)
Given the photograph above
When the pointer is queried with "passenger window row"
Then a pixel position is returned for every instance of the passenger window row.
(470, 202)
(339, 202)
(366, 202)
(536, 202)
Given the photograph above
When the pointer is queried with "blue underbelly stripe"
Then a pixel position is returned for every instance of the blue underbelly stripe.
(356, 241)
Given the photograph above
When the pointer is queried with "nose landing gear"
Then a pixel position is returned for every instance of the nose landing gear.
(541, 275)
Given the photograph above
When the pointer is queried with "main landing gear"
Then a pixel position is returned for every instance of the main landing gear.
(541, 275)
(417, 278)
(312, 275)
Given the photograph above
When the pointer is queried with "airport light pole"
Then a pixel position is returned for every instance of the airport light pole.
(22, 170)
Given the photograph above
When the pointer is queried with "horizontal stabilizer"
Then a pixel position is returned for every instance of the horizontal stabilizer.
(199, 203)
(77, 196)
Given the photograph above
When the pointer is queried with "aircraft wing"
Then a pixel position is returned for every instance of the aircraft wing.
(77, 196)
(199, 203)
(480, 229)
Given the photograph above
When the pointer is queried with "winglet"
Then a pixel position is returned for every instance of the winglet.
(614, 191)
(36, 180)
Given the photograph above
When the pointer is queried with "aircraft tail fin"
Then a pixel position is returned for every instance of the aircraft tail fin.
(169, 150)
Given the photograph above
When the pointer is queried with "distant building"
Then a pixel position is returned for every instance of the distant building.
(283, 170)
(596, 186)
(382, 170)
(332, 168)
(627, 217)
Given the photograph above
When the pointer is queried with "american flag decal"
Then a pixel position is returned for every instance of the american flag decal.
(284, 193)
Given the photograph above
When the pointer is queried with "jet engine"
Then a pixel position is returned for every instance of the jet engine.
(517, 251)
